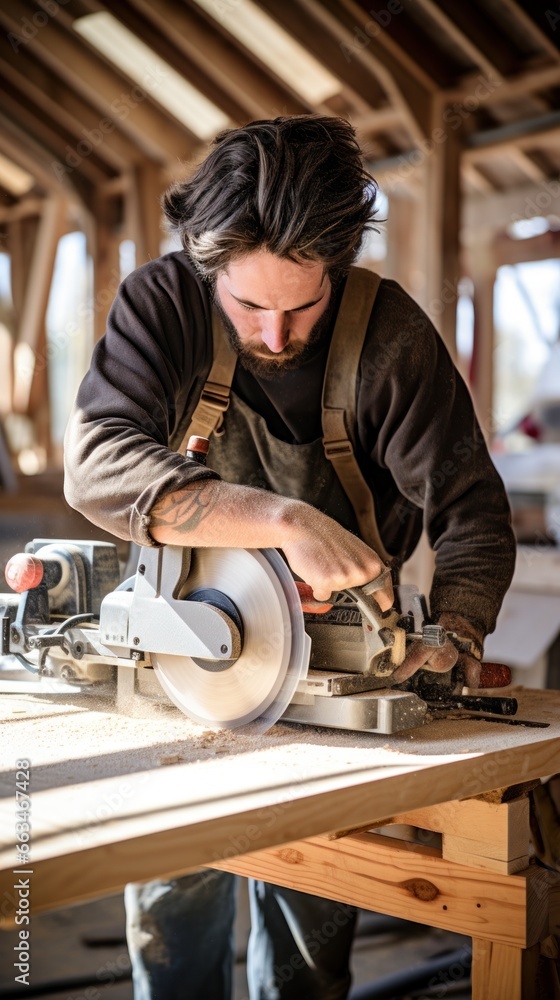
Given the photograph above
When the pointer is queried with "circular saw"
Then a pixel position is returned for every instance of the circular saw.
(253, 591)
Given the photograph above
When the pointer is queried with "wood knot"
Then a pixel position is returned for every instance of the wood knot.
(290, 856)
(421, 888)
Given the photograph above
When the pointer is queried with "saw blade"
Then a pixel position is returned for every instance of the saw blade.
(256, 689)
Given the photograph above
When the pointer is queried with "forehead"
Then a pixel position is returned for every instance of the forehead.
(274, 282)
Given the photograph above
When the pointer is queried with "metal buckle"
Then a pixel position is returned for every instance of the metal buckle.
(334, 449)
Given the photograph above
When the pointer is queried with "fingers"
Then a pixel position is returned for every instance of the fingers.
(419, 656)
(471, 667)
(385, 597)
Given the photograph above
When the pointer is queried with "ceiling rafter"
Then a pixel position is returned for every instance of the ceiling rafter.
(409, 89)
(459, 35)
(53, 139)
(231, 66)
(111, 92)
(149, 31)
(72, 114)
(23, 149)
(302, 25)
(531, 28)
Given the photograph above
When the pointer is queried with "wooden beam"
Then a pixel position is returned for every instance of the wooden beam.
(315, 36)
(497, 211)
(231, 68)
(472, 174)
(409, 88)
(518, 85)
(461, 37)
(406, 881)
(74, 115)
(442, 209)
(29, 205)
(55, 140)
(522, 134)
(540, 39)
(483, 835)
(146, 191)
(158, 135)
(526, 164)
(167, 47)
(37, 290)
(482, 266)
(103, 244)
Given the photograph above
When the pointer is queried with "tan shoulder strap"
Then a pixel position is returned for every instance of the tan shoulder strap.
(214, 398)
(339, 399)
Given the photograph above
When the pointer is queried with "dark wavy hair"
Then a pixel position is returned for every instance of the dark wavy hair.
(295, 186)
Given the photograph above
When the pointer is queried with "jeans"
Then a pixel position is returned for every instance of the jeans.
(181, 944)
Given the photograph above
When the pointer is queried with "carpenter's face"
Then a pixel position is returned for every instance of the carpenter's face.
(274, 310)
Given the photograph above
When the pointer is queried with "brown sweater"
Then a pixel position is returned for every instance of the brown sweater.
(419, 444)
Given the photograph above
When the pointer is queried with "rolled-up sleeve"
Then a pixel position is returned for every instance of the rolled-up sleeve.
(117, 458)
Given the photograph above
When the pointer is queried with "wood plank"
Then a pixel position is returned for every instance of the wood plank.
(462, 37)
(37, 290)
(496, 971)
(400, 879)
(409, 88)
(158, 821)
(441, 225)
(486, 836)
(150, 31)
(77, 116)
(151, 128)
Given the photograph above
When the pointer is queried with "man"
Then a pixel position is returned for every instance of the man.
(271, 224)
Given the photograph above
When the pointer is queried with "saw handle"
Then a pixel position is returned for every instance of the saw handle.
(494, 675)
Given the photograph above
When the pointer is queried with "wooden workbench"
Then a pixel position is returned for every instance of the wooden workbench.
(117, 799)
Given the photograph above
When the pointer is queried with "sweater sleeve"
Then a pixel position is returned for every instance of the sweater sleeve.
(418, 422)
(118, 462)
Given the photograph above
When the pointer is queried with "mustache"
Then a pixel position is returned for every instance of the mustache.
(267, 364)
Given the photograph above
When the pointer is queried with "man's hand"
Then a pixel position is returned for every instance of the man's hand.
(419, 656)
(329, 558)
(443, 658)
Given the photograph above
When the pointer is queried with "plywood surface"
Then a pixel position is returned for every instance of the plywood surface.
(122, 798)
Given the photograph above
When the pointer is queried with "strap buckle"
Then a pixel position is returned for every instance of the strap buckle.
(337, 448)
(216, 396)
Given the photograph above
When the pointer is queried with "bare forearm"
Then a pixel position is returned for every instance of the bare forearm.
(318, 550)
(214, 513)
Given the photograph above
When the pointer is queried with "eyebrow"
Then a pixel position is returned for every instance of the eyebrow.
(307, 305)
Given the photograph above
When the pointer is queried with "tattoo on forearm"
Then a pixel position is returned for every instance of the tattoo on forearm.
(183, 514)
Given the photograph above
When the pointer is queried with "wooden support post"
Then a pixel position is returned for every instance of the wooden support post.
(147, 190)
(441, 225)
(481, 265)
(404, 262)
(105, 238)
(31, 327)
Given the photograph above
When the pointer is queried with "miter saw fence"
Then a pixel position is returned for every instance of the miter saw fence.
(232, 639)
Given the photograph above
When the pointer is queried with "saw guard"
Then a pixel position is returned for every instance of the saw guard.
(256, 689)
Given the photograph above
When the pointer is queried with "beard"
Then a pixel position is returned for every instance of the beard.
(266, 364)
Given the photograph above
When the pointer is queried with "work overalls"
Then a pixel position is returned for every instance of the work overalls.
(180, 932)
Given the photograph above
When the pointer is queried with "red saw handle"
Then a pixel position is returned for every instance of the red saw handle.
(308, 603)
(494, 675)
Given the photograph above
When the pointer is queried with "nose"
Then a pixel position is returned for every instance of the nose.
(275, 333)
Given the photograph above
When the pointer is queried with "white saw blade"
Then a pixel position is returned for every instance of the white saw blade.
(256, 689)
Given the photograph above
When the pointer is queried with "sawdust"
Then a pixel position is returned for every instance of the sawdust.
(75, 738)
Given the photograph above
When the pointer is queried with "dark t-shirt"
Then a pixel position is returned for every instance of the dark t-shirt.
(418, 442)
